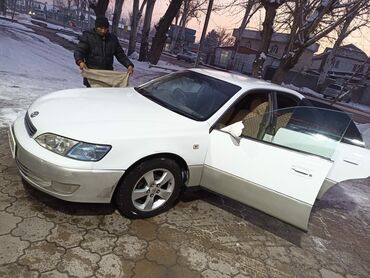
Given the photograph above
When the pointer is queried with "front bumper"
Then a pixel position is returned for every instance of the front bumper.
(70, 180)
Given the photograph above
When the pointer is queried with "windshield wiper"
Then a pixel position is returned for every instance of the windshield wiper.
(141, 91)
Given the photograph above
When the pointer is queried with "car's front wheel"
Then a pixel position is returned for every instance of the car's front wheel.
(149, 189)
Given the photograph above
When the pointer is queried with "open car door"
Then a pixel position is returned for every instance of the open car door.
(277, 167)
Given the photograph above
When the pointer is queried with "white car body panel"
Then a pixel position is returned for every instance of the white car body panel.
(298, 176)
(351, 162)
(92, 122)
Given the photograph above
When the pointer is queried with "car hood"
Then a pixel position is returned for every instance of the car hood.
(101, 114)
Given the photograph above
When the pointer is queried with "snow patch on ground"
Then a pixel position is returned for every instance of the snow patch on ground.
(7, 115)
(308, 91)
(32, 66)
(68, 38)
(14, 25)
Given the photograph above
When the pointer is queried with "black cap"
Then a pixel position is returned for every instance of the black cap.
(101, 22)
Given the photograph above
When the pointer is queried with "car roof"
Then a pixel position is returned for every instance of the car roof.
(243, 81)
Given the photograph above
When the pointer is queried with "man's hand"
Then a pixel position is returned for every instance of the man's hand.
(82, 66)
(130, 70)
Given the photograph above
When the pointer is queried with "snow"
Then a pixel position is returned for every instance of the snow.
(32, 66)
(26, 19)
(308, 91)
(68, 38)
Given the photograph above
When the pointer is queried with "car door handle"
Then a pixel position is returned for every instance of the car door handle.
(301, 171)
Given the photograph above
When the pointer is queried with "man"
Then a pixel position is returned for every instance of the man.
(97, 47)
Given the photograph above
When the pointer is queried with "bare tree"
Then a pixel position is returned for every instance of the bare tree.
(3, 6)
(135, 20)
(250, 8)
(312, 20)
(349, 25)
(144, 46)
(117, 15)
(99, 7)
(346, 83)
(225, 38)
(190, 9)
(134, 24)
(162, 27)
(204, 31)
(270, 7)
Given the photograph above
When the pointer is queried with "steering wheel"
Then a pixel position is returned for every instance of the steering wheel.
(179, 95)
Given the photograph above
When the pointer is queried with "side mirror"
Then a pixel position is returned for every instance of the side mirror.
(235, 131)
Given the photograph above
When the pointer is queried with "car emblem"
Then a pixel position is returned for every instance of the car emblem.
(34, 114)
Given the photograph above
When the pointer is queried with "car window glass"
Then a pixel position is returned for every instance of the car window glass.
(352, 135)
(308, 129)
(242, 107)
(286, 101)
(190, 93)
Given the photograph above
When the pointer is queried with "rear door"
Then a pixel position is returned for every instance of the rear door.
(281, 171)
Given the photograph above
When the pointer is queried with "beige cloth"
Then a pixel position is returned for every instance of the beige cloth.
(105, 78)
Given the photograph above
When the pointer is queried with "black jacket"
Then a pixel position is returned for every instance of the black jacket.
(97, 51)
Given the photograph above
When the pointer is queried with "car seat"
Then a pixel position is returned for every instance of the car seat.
(254, 121)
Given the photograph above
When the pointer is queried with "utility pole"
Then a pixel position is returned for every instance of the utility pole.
(209, 10)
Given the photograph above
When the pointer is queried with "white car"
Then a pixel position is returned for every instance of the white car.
(253, 141)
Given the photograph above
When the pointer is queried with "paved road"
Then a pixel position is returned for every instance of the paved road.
(202, 236)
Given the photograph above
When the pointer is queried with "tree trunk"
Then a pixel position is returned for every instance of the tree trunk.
(117, 15)
(286, 64)
(175, 33)
(183, 25)
(14, 7)
(265, 42)
(164, 24)
(134, 24)
(145, 32)
(329, 62)
(99, 8)
(3, 6)
(204, 31)
(241, 29)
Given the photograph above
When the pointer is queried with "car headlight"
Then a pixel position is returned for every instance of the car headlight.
(72, 148)
(88, 152)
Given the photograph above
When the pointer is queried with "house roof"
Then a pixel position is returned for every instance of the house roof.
(276, 37)
(350, 47)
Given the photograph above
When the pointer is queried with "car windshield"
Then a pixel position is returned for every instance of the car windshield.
(191, 94)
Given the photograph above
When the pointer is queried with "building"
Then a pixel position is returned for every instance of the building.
(348, 60)
(175, 32)
(249, 45)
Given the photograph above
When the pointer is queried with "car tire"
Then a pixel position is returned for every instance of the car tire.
(150, 188)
